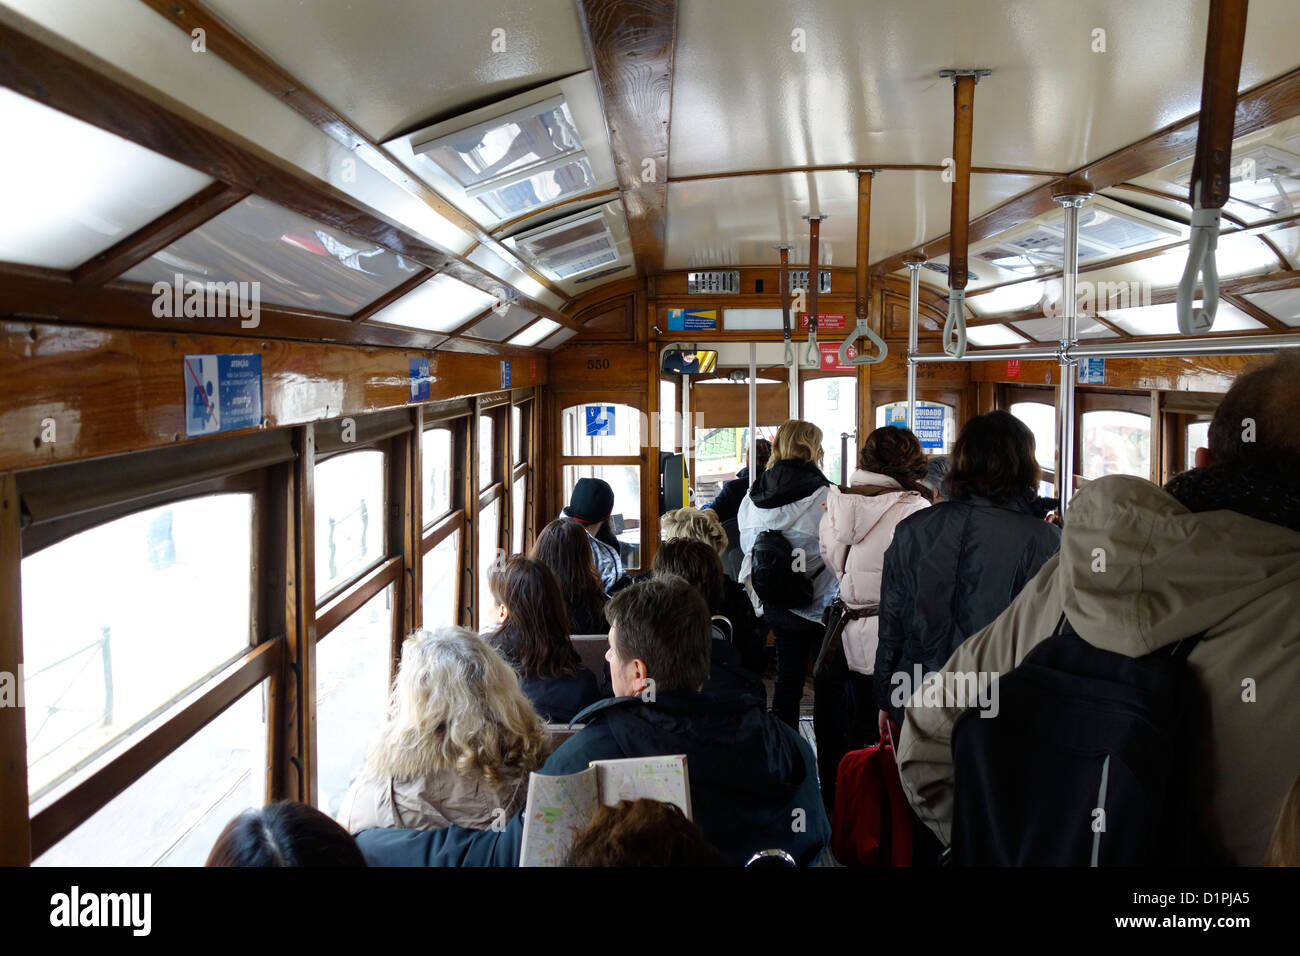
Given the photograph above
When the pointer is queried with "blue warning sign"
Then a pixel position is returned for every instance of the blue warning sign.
(223, 393)
(420, 379)
(692, 320)
(600, 421)
(929, 425)
(1092, 371)
(505, 373)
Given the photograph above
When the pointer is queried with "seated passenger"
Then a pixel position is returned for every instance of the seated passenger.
(458, 744)
(936, 470)
(955, 566)
(748, 635)
(855, 533)
(642, 833)
(726, 504)
(591, 505)
(1216, 552)
(753, 780)
(532, 635)
(284, 834)
(787, 498)
(698, 564)
(562, 546)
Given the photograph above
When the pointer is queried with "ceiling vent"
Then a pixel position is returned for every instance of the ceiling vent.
(1103, 231)
(1265, 177)
(942, 269)
(700, 283)
(571, 247)
(799, 280)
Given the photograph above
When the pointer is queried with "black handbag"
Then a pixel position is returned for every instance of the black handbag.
(831, 662)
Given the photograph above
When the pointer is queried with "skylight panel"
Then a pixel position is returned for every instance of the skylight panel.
(986, 335)
(535, 332)
(439, 305)
(1163, 319)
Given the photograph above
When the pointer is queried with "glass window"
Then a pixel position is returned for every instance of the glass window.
(719, 455)
(558, 339)
(1198, 436)
(496, 326)
(832, 405)
(352, 663)
(300, 263)
(669, 409)
(1115, 443)
(349, 517)
(937, 429)
(1041, 419)
(518, 498)
(439, 305)
(508, 144)
(123, 618)
(173, 814)
(486, 451)
(519, 429)
(488, 537)
(70, 190)
(625, 480)
(441, 570)
(601, 429)
(535, 332)
(435, 460)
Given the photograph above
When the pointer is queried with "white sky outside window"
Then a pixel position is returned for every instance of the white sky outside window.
(70, 190)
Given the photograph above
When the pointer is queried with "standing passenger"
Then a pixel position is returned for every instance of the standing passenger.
(954, 567)
(562, 546)
(787, 498)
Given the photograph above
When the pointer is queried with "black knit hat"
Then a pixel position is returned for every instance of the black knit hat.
(592, 501)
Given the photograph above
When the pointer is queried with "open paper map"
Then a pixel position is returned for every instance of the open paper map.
(559, 805)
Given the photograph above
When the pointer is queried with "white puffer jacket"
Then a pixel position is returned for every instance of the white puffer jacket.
(855, 533)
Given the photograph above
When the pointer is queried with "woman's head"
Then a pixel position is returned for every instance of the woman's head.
(695, 561)
(642, 832)
(763, 452)
(994, 458)
(284, 834)
(534, 628)
(797, 440)
(695, 525)
(565, 547)
(896, 453)
(456, 705)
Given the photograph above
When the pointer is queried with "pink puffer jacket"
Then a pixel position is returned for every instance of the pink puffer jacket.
(855, 533)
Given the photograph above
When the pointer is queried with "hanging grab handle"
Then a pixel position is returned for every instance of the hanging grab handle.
(813, 355)
(867, 358)
(1200, 260)
(954, 329)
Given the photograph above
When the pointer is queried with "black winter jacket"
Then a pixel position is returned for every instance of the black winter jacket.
(951, 570)
(753, 782)
(558, 699)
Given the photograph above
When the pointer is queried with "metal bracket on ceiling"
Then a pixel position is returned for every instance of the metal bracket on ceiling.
(953, 74)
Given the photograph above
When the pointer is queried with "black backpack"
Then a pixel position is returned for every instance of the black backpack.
(1093, 759)
(773, 574)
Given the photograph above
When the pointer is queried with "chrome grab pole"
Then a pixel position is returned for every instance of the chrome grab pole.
(1071, 199)
(913, 264)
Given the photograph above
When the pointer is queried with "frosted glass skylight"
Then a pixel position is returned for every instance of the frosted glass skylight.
(1163, 319)
(439, 305)
(535, 332)
(984, 335)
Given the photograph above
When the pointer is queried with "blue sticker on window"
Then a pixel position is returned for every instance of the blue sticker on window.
(420, 379)
(223, 393)
(1092, 371)
(505, 373)
(600, 421)
(929, 425)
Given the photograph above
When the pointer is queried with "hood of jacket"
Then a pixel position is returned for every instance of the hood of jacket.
(852, 516)
(731, 743)
(785, 482)
(1142, 570)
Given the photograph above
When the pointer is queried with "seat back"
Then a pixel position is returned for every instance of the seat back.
(557, 734)
(591, 648)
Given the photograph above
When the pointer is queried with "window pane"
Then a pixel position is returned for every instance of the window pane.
(518, 428)
(625, 480)
(601, 429)
(120, 619)
(441, 566)
(439, 305)
(351, 694)
(1116, 443)
(832, 405)
(1198, 436)
(669, 409)
(719, 455)
(349, 517)
(489, 526)
(518, 497)
(1041, 419)
(174, 813)
(486, 451)
(936, 438)
(435, 458)
(300, 263)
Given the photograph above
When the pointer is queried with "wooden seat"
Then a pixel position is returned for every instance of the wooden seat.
(558, 734)
(591, 648)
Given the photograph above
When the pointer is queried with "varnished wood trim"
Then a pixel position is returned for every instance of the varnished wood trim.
(15, 833)
(342, 606)
(444, 529)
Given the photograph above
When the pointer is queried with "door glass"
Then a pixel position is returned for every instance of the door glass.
(936, 424)
(600, 429)
(1041, 419)
(1198, 436)
(441, 566)
(625, 480)
(831, 404)
(1115, 443)
(719, 456)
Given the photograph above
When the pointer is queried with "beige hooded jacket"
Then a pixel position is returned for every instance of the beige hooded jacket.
(1169, 573)
(432, 801)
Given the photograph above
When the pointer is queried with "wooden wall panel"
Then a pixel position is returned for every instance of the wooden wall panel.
(599, 367)
(609, 321)
(727, 406)
(1184, 373)
(113, 391)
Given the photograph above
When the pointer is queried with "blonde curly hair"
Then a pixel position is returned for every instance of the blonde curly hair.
(456, 705)
(696, 525)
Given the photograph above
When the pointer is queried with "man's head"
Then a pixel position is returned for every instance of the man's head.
(1256, 422)
(591, 503)
(660, 630)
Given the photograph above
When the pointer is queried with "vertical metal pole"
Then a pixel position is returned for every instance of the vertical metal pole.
(1071, 200)
(794, 390)
(844, 459)
(913, 320)
(753, 412)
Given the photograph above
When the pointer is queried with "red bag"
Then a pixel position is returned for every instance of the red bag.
(872, 825)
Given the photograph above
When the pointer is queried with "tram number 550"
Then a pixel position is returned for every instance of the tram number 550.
(594, 364)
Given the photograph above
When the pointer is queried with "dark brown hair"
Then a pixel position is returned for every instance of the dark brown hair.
(896, 453)
(1267, 396)
(994, 458)
(565, 547)
(697, 563)
(642, 832)
(284, 834)
(535, 636)
(665, 622)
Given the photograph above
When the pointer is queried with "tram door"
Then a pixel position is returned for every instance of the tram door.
(831, 404)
